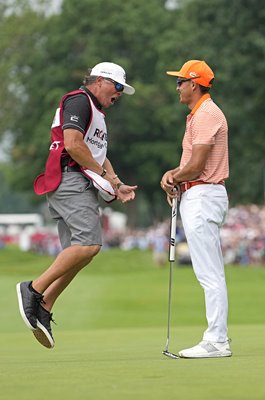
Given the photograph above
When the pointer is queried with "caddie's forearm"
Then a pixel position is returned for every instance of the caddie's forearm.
(83, 157)
(77, 149)
(108, 166)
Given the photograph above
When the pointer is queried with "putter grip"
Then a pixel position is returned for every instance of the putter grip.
(172, 252)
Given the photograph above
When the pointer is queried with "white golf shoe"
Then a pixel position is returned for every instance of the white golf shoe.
(206, 349)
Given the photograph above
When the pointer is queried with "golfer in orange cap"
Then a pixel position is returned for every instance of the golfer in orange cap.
(201, 177)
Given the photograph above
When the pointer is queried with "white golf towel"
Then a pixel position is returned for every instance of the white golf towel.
(105, 189)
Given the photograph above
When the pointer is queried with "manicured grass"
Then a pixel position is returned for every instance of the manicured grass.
(112, 327)
(127, 364)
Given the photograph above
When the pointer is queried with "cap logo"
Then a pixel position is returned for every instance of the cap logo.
(106, 72)
(193, 74)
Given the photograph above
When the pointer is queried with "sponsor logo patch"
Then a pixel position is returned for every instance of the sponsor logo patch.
(74, 118)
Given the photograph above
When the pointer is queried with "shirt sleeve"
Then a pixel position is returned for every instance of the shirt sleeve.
(205, 128)
(76, 113)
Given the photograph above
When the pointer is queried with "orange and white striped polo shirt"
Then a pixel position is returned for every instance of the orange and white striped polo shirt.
(206, 124)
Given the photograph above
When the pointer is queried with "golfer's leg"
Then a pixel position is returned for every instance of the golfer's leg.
(67, 261)
(208, 267)
(201, 220)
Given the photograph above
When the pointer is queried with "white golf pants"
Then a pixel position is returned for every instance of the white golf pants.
(203, 209)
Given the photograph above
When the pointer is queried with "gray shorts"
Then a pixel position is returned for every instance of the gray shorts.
(75, 207)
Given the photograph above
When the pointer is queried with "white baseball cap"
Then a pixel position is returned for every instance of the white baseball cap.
(112, 71)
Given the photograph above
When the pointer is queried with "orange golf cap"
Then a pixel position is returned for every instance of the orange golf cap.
(197, 70)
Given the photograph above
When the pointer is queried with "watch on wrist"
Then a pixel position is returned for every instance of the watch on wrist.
(120, 184)
(103, 172)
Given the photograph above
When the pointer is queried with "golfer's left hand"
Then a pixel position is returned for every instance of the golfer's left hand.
(175, 194)
(126, 193)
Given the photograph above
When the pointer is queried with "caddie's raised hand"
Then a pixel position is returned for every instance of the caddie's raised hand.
(126, 193)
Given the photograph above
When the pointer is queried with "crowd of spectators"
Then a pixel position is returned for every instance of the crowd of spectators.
(242, 236)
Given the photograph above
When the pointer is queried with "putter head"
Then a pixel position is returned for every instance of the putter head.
(168, 354)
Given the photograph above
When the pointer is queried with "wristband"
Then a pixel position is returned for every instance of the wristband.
(120, 184)
(103, 172)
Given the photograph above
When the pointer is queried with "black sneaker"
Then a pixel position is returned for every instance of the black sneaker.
(43, 333)
(29, 302)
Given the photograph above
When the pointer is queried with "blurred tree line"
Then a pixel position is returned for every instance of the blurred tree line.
(44, 55)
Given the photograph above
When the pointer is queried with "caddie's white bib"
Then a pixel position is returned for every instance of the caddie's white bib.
(96, 137)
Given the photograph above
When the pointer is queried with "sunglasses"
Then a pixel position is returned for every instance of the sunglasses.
(180, 81)
(118, 86)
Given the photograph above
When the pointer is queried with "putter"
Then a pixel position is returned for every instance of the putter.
(172, 247)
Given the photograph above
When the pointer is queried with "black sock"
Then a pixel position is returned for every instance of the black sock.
(33, 290)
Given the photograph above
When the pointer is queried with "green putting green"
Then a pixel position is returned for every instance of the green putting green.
(112, 327)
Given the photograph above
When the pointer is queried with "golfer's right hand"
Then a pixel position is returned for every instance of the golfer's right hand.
(167, 183)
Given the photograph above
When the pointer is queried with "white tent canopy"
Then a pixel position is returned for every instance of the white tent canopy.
(21, 219)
